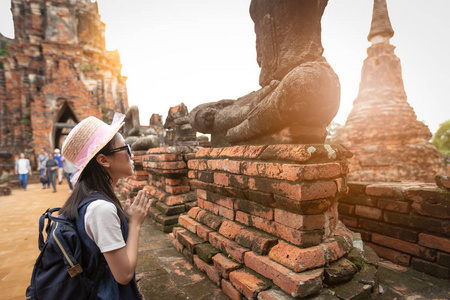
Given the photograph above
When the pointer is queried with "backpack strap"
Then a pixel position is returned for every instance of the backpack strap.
(45, 215)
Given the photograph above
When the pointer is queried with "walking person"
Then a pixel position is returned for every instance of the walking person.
(42, 160)
(58, 158)
(69, 169)
(23, 169)
(106, 228)
(51, 170)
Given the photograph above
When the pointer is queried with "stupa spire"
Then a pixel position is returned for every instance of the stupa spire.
(381, 28)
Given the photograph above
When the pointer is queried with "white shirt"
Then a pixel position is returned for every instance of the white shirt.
(102, 224)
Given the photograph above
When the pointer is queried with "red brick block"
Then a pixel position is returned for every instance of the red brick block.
(262, 169)
(202, 194)
(210, 271)
(224, 265)
(176, 190)
(179, 246)
(333, 251)
(175, 200)
(203, 232)
(393, 205)
(435, 242)
(210, 220)
(232, 166)
(188, 239)
(242, 151)
(274, 294)
(230, 291)
(221, 178)
(188, 156)
(226, 213)
(197, 164)
(248, 283)
(296, 258)
(432, 210)
(243, 218)
(188, 223)
(322, 171)
(392, 255)
(297, 153)
(301, 222)
(192, 174)
(318, 190)
(227, 246)
(381, 190)
(254, 209)
(295, 284)
(210, 206)
(220, 200)
(368, 212)
(193, 212)
(297, 237)
(286, 189)
(397, 244)
(203, 152)
(292, 172)
(259, 242)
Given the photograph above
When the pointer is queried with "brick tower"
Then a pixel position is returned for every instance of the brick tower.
(382, 130)
(54, 73)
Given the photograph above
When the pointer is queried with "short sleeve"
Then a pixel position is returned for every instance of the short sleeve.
(102, 224)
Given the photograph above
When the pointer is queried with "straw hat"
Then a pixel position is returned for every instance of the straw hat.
(86, 139)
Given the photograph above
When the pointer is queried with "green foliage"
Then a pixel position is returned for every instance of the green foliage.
(4, 51)
(441, 138)
(86, 67)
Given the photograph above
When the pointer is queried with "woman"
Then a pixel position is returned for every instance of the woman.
(101, 156)
(51, 169)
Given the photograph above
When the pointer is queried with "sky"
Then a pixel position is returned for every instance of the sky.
(197, 51)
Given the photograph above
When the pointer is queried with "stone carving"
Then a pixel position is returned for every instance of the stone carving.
(382, 130)
(300, 92)
(136, 136)
(178, 130)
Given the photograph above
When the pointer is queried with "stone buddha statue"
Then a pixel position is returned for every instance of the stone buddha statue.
(300, 92)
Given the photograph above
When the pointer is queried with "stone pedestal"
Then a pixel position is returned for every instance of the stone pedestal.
(267, 225)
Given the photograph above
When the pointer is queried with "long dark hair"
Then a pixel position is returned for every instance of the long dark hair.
(94, 178)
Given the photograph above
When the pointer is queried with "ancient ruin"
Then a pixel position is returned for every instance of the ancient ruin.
(382, 130)
(299, 93)
(54, 73)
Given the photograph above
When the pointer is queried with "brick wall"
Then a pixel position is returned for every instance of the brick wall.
(407, 223)
(163, 172)
(266, 223)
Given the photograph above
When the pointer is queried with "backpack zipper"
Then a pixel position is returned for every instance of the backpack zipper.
(75, 269)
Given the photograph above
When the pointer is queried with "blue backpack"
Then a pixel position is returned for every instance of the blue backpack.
(58, 273)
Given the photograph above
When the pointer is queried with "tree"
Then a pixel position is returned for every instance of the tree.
(441, 138)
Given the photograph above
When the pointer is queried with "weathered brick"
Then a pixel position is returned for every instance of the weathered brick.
(224, 265)
(295, 284)
(390, 230)
(392, 255)
(221, 178)
(301, 222)
(175, 200)
(259, 242)
(188, 223)
(333, 251)
(286, 189)
(397, 244)
(179, 246)
(262, 169)
(206, 176)
(443, 259)
(206, 252)
(202, 194)
(310, 207)
(232, 166)
(432, 210)
(360, 200)
(434, 242)
(418, 222)
(176, 190)
(188, 239)
(209, 206)
(243, 218)
(230, 229)
(230, 290)
(368, 212)
(393, 205)
(298, 153)
(274, 294)
(220, 200)
(298, 259)
(321, 171)
(265, 199)
(193, 212)
(227, 246)
(169, 210)
(238, 181)
(203, 232)
(173, 181)
(430, 268)
(197, 164)
(349, 221)
(345, 209)
(226, 213)
(297, 237)
(248, 283)
(318, 190)
(166, 220)
(254, 208)
(381, 190)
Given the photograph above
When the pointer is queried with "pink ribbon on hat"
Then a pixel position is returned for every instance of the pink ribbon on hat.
(97, 139)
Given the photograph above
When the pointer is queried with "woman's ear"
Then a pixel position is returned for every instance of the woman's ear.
(103, 160)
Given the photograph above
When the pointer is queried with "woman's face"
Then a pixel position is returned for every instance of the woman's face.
(121, 164)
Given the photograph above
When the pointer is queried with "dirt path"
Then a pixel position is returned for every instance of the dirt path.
(19, 216)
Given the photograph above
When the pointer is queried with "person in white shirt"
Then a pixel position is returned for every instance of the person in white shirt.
(23, 169)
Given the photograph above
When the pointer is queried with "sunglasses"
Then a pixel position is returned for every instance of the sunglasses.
(126, 147)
